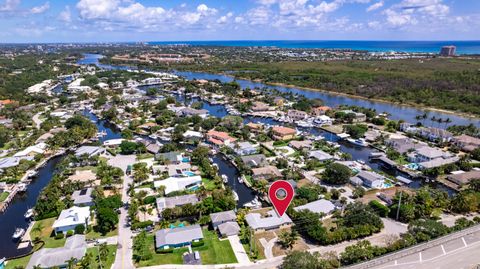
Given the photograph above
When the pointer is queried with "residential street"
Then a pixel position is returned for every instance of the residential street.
(123, 259)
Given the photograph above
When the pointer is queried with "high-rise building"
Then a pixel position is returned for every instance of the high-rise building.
(448, 51)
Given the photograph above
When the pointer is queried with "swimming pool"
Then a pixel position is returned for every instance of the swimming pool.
(186, 160)
(189, 173)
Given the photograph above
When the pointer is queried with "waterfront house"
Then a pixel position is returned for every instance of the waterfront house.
(177, 237)
(243, 148)
(192, 135)
(70, 218)
(89, 151)
(297, 114)
(435, 134)
(173, 157)
(171, 202)
(254, 127)
(266, 173)
(283, 133)
(323, 120)
(426, 153)
(83, 197)
(257, 160)
(357, 116)
(271, 221)
(320, 155)
(32, 150)
(188, 111)
(173, 170)
(259, 106)
(404, 145)
(219, 138)
(321, 206)
(464, 178)
(368, 179)
(113, 143)
(75, 247)
(299, 145)
(8, 162)
(466, 143)
(173, 184)
(320, 110)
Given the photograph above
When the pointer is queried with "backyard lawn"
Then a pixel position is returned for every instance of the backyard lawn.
(17, 263)
(107, 263)
(3, 196)
(169, 258)
(96, 235)
(45, 235)
(215, 251)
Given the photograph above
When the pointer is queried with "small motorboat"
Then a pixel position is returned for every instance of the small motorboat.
(225, 178)
(19, 232)
(22, 187)
(32, 174)
(29, 213)
(240, 179)
(359, 142)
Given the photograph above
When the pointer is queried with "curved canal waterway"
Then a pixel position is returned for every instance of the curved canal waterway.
(13, 217)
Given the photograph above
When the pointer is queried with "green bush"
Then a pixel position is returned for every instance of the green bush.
(198, 243)
(141, 225)
(69, 233)
(163, 251)
(59, 236)
(80, 229)
(380, 209)
(149, 200)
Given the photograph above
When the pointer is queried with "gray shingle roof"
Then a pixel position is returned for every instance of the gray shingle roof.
(82, 196)
(319, 206)
(223, 216)
(75, 247)
(229, 228)
(256, 221)
(178, 236)
(170, 202)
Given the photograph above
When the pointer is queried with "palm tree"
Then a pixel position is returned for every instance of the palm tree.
(433, 119)
(424, 117)
(37, 230)
(447, 121)
(71, 263)
(439, 120)
(143, 209)
(418, 118)
(103, 251)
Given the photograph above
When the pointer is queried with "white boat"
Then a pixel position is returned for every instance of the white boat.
(255, 203)
(31, 173)
(361, 161)
(235, 195)
(29, 213)
(22, 187)
(153, 136)
(225, 178)
(19, 232)
(359, 142)
(240, 179)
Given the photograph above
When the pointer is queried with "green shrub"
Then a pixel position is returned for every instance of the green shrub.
(59, 236)
(142, 225)
(69, 233)
(198, 243)
(80, 229)
(149, 200)
(381, 209)
(163, 251)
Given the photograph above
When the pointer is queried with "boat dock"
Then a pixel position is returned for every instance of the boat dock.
(26, 240)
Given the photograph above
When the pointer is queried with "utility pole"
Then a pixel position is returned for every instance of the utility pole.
(399, 203)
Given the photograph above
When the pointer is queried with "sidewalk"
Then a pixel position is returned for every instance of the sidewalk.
(238, 249)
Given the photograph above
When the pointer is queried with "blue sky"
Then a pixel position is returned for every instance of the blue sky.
(165, 20)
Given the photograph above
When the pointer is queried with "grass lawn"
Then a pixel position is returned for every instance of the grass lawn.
(209, 184)
(95, 235)
(112, 249)
(215, 251)
(11, 264)
(157, 259)
(3, 196)
(86, 168)
(50, 241)
(145, 156)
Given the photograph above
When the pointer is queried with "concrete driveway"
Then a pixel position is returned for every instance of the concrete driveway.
(240, 253)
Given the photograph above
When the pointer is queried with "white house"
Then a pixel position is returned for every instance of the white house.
(179, 183)
(70, 218)
(243, 148)
(32, 150)
(368, 179)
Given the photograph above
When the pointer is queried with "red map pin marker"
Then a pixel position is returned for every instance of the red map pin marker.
(281, 195)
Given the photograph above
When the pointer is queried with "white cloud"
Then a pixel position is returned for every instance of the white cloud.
(375, 6)
(94, 9)
(65, 15)
(40, 9)
(9, 5)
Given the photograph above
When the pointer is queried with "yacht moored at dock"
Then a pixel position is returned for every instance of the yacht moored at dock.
(18, 233)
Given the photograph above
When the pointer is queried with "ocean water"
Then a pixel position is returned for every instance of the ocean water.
(463, 47)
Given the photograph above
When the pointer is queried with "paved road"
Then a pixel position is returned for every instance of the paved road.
(36, 119)
(123, 258)
(458, 253)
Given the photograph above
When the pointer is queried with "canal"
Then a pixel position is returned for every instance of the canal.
(13, 218)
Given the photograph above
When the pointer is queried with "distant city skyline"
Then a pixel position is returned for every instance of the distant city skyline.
(153, 20)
